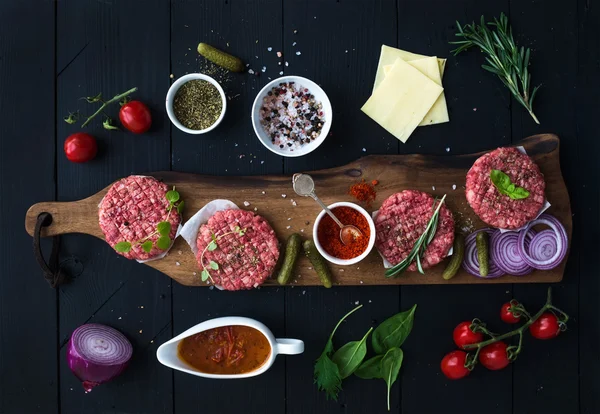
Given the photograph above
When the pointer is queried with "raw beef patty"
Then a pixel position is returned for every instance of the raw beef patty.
(130, 211)
(244, 261)
(402, 219)
(499, 210)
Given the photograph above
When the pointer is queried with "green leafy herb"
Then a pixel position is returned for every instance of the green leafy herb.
(109, 124)
(123, 247)
(212, 246)
(180, 206)
(504, 58)
(392, 332)
(205, 275)
(147, 246)
(163, 228)
(326, 373)
(172, 196)
(163, 242)
(420, 245)
(502, 182)
(370, 369)
(214, 265)
(390, 367)
(349, 357)
(93, 99)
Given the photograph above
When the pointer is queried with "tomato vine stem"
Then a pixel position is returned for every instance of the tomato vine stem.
(512, 351)
(106, 103)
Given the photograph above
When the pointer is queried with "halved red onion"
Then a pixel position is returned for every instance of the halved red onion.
(97, 353)
(504, 252)
(471, 263)
(543, 255)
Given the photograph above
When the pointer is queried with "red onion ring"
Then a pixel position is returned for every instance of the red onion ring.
(470, 262)
(504, 252)
(97, 353)
(539, 259)
(543, 245)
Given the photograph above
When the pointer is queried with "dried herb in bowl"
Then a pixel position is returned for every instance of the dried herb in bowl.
(197, 104)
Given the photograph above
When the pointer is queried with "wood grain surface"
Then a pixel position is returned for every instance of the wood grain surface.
(273, 198)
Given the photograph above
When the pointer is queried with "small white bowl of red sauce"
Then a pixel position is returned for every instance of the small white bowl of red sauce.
(231, 347)
(326, 234)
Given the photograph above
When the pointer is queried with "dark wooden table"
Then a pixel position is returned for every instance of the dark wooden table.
(53, 53)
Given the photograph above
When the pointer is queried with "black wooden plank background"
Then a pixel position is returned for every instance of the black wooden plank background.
(53, 53)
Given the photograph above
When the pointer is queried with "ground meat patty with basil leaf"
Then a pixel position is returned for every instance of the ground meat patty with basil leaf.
(130, 211)
(402, 219)
(246, 253)
(499, 210)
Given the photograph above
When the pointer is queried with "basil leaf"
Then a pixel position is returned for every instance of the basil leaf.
(393, 331)
(519, 194)
(214, 265)
(349, 357)
(163, 228)
(163, 242)
(147, 246)
(172, 196)
(123, 247)
(370, 369)
(505, 187)
(390, 367)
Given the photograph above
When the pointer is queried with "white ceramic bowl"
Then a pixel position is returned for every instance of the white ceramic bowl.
(171, 97)
(333, 259)
(320, 96)
(167, 352)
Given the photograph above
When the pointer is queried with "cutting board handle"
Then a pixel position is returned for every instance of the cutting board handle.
(67, 217)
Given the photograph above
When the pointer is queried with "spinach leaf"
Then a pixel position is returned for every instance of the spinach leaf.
(326, 372)
(392, 332)
(350, 356)
(370, 369)
(390, 367)
(504, 186)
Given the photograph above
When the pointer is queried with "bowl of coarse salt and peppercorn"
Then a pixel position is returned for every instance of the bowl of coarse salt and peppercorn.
(291, 116)
(196, 103)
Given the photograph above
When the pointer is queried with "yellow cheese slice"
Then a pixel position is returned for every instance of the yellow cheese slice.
(429, 67)
(402, 100)
(389, 55)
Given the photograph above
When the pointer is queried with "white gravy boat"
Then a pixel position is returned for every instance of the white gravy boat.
(167, 353)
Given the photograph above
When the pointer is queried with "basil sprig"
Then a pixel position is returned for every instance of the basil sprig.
(504, 186)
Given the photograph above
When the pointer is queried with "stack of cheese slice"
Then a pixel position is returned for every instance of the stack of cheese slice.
(407, 93)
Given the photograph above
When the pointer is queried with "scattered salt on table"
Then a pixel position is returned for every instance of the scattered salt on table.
(246, 203)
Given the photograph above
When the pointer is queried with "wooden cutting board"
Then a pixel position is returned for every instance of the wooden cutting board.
(273, 198)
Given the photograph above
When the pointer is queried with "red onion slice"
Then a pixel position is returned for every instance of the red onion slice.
(97, 353)
(543, 255)
(471, 263)
(504, 252)
(543, 245)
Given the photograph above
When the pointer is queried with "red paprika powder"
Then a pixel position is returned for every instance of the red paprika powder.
(364, 191)
(328, 233)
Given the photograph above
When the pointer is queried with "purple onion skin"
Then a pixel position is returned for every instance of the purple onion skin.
(90, 374)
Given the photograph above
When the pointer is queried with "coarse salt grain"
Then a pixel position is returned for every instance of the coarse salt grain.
(294, 203)
(298, 53)
(246, 203)
(264, 69)
(177, 264)
(357, 302)
(281, 73)
(454, 186)
(433, 187)
(279, 54)
(269, 48)
(283, 196)
(288, 227)
(287, 64)
(250, 71)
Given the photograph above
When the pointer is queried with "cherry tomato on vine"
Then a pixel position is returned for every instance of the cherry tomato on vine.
(453, 365)
(135, 116)
(463, 335)
(494, 356)
(545, 327)
(506, 315)
(80, 147)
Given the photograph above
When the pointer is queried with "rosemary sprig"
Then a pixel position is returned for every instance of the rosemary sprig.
(420, 245)
(503, 56)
